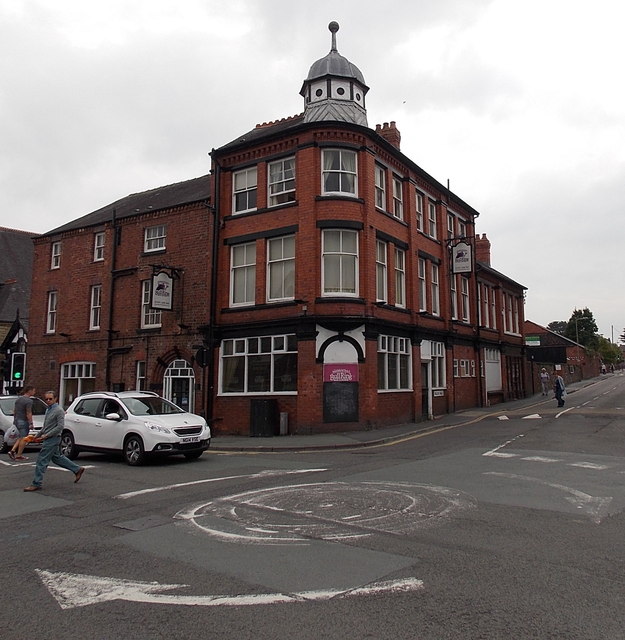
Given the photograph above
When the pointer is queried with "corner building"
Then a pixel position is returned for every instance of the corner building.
(337, 302)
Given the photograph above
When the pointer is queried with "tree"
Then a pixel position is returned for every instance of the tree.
(610, 353)
(582, 328)
(559, 327)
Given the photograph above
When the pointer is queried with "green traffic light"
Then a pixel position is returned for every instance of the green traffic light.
(17, 375)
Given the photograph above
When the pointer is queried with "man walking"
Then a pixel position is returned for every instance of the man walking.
(23, 420)
(559, 389)
(50, 436)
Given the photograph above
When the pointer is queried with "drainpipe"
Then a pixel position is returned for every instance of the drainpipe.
(213, 291)
(109, 340)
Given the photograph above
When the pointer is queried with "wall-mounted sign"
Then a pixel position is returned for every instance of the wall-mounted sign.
(340, 372)
(461, 258)
(162, 291)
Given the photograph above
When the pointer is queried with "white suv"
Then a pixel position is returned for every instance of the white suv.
(134, 423)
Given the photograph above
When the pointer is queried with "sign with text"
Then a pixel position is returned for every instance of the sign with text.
(162, 291)
(340, 372)
(461, 258)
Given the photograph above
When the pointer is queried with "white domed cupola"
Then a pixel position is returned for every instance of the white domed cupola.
(335, 88)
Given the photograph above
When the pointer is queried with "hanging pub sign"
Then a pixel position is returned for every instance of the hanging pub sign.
(461, 258)
(162, 291)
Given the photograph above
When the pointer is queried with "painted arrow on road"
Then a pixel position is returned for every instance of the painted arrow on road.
(79, 590)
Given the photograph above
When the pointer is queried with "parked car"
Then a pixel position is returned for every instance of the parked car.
(7, 404)
(136, 424)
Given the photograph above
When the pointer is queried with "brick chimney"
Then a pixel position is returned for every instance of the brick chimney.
(389, 132)
(482, 249)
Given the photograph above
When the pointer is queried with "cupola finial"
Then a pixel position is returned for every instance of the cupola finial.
(334, 27)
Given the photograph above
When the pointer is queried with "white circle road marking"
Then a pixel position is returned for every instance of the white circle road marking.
(327, 510)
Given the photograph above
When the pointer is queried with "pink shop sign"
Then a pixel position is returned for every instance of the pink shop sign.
(340, 373)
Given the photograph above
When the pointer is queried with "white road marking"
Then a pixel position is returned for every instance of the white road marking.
(492, 452)
(261, 474)
(589, 465)
(594, 506)
(503, 418)
(533, 416)
(540, 459)
(72, 590)
(334, 511)
(563, 412)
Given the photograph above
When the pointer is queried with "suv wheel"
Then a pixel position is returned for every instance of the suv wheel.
(134, 453)
(68, 446)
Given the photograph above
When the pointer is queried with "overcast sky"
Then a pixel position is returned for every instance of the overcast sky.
(520, 104)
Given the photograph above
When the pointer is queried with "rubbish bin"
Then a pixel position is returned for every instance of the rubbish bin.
(264, 417)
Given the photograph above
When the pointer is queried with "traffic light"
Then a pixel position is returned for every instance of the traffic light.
(18, 367)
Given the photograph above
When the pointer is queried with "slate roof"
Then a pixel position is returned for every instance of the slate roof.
(16, 268)
(173, 195)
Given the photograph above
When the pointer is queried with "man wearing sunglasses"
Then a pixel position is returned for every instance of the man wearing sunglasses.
(50, 437)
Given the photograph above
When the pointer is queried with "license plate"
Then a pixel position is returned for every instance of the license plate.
(190, 439)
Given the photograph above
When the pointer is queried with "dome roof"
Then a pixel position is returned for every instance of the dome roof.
(334, 64)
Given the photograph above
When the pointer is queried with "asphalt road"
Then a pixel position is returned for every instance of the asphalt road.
(508, 526)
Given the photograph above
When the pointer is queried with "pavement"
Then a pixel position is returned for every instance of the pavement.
(381, 435)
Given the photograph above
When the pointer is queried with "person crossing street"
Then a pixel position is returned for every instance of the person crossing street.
(50, 436)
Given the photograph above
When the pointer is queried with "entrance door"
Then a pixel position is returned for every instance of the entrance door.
(179, 385)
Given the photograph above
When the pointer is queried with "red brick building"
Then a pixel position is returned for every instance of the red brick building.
(338, 283)
(91, 320)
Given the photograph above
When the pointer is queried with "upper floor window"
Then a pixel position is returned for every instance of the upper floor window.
(281, 268)
(380, 271)
(464, 295)
(453, 286)
(339, 175)
(380, 187)
(419, 205)
(436, 305)
(95, 313)
(281, 182)
(243, 274)
(398, 199)
(55, 255)
(432, 220)
(51, 313)
(154, 238)
(150, 318)
(340, 262)
(422, 286)
(98, 246)
(450, 225)
(244, 190)
(400, 277)
(462, 228)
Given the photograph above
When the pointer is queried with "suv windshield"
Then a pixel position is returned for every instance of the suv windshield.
(150, 406)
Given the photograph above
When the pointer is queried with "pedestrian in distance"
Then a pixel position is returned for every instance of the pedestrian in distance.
(544, 381)
(23, 421)
(559, 388)
(50, 437)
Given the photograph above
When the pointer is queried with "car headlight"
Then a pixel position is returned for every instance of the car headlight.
(157, 427)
